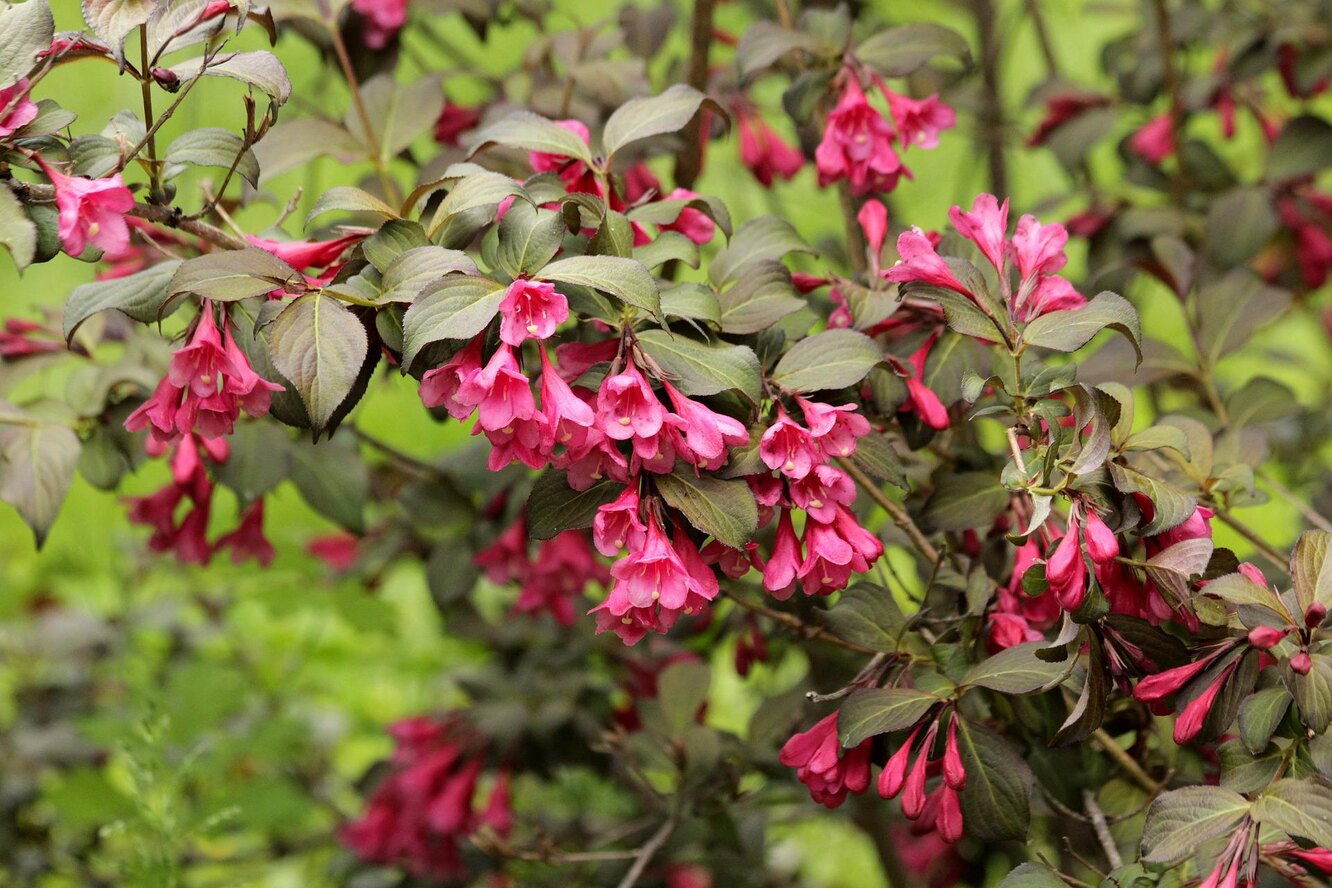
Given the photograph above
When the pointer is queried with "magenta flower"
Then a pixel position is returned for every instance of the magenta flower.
(827, 566)
(531, 309)
(562, 568)
(627, 407)
(820, 764)
(789, 447)
(873, 219)
(505, 560)
(1050, 293)
(858, 145)
(92, 211)
(499, 391)
(440, 386)
(16, 109)
(1155, 140)
(383, 20)
(651, 575)
(920, 262)
(1101, 543)
(821, 491)
(565, 418)
(453, 121)
(779, 571)
(693, 224)
(247, 540)
(764, 152)
(707, 434)
(301, 255)
(919, 121)
(1189, 722)
(835, 428)
(986, 225)
(920, 397)
(1037, 248)
(617, 524)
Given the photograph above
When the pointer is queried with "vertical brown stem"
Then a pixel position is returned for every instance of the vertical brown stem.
(689, 162)
(1043, 37)
(373, 146)
(855, 238)
(149, 119)
(992, 111)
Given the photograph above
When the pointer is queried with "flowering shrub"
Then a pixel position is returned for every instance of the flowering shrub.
(955, 487)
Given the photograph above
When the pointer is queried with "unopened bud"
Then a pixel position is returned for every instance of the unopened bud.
(1301, 663)
(1314, 615)
(1266, 637)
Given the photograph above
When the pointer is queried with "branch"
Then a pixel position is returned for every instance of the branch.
(648, 851)
(689, 162)
(797, 625)
(896, 512)
(1102, 829)
(1126, 761)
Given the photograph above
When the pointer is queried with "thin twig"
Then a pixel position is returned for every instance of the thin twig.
(689, 162)
(1126, 761)
(797, 625)
(648, 851)
(896, 512)
(1043, 37)
(1102, 829)
(1264, 548)
(376, 149)
(1311, 515)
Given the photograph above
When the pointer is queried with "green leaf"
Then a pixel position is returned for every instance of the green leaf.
(18, 234)
(553, 507)
(1172, 505)
(141, 295)
(767, 237)
(480, 189)
(320, 347)
(415, 269)
(531, 132)
(873, 711)
(333, 480)
(1159, 437)
(1230, 309)
(867, 615)
(760, 299)
(996, 802)
(1032, 875)
(1070, 329)
(37, 463)
(215, 147)
(1313, 693)
(692, 301)
(259, 461)
(832, 359)
(765, 42)
(393, 238)
(1301, 808)
(456, 308)
(259, 69)
(1017, 670)
(1239, 224)
(349, 199)
(1180, 820)
(700, 368)
(1303, 148)
(112, 20)
(1311, 569)
(668, 246)
(965, 501)
(1259, 715)
(682, 689)
(648, 116)
(233, 275)
(528, 238)
(900, 51)
(724, 509)
(292, 144)
(879, 460)
(625, 279)
(25, 30)
(664, 212)
(399, 113)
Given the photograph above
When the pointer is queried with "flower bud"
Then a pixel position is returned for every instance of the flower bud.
(1314, 615)
(1266, 637)
(955, 773)
(1101, 542)
(1301, 663)
(1060, 566)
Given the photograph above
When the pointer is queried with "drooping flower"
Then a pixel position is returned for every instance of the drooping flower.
(499, 391)
(628, 408)
(781, 568)
(920, 262)
(873, 219)
(829, 772)
(247, 540)
(16, 109)
(453, 121)
(919, 121)
(565, 418)
(693, 224)
(92, 211)
(1155, 140)
(765, 153)
(921, 399)
(707, 433)
(788, 447)
(531, 309)
(301, 255)
(440, 386)
(383, 20)
(617, 524)
(858, 145)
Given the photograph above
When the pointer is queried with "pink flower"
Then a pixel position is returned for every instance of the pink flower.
(383, 20)
(707, 434)
(499, 391)
(789, 447)
(858, 145)
(764, 152)
(693, 224)
(301, 255)
(1267, 637)
(1155, 140)
(440, 386)
(557, 163)
(338, 550)
(651, 575)
(835, 428)
(16, 109)
(779, 572)
(1037, 248)
(820, 764)
(827, 565)
(505, 560)
(627, 407)
(920, 262)
(821, 491)
(920, 397)
(1049, 294)
(893, 776)
(531, 309)
(1163, 684)
(1189, 722)
(873, 219)
(1101, 543)
(92, 211)
(955, 773)
(454, 120)
(562, 568)
(565, 418)
(617, 525)
(248, 540)
(1059, 110)
(919, 121)
(986, 226)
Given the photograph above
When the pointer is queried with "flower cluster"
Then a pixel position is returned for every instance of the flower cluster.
(551, 579)
(425, 807)
(827, 770)
(942, 808)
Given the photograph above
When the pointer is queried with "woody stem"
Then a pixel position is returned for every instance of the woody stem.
(895, 511)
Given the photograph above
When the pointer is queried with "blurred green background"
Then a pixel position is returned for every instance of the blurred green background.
(298, 672)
